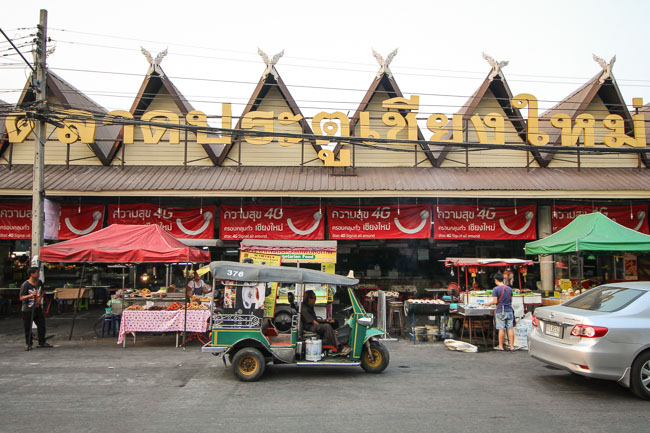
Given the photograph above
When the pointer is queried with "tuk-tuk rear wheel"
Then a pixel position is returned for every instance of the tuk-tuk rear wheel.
(380, 358)
(248, 364)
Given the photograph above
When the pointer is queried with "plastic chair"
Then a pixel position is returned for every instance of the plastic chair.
(112, 321)
(83, 304)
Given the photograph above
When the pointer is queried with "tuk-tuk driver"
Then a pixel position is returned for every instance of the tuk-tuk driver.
(324, 328)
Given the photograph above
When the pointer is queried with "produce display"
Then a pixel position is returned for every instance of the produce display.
(425, 301)
(175, 306)
(374, 294)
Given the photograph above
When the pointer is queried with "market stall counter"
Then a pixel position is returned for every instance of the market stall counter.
(161, 321)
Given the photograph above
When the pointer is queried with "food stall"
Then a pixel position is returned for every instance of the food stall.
(590, 250)
(472, 314)
(121, 243)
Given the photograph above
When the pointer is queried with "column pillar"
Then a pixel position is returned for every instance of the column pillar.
(544, 228)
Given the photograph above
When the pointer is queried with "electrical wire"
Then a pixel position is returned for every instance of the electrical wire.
(329, 61)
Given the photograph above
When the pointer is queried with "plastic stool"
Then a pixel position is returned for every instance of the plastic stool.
(112, 321)
(83, 304)
(395, 318)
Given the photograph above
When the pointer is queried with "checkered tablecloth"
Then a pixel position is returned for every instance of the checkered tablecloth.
(162, 321)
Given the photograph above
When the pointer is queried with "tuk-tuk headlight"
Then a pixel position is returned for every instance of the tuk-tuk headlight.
(365, 321)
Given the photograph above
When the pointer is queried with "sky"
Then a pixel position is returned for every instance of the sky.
(328, 63)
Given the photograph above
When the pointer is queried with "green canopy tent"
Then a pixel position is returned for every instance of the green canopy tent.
(592, 232)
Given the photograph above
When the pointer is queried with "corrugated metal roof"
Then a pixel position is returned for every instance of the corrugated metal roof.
(319, 181)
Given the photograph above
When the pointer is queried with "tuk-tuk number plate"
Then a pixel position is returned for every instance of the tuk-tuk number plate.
(553, 330)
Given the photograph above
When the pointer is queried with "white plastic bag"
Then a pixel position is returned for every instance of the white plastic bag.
(522, 330)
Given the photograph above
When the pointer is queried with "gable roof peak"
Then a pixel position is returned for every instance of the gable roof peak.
(496, 67)
(154, 64)
(607, 67)
(270, 63)
(384, 63)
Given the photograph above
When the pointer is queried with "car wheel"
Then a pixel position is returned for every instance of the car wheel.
(380, 358)
(640, 379)
(248, 364)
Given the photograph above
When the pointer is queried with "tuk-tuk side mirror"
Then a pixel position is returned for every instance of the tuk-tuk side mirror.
(365, 321)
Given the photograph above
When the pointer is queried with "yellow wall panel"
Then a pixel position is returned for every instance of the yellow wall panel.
(376, 156)
(273, 154)
(163, 153)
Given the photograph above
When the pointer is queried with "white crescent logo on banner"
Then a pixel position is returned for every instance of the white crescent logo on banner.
(529, 218)
(425, 218)
(97, 215)
(641, 216)
(207, 216)
(310, 230)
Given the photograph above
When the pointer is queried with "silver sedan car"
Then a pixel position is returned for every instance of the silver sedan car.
(603, 333)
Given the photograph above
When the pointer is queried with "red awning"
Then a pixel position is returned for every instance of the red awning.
(461, 261)
(121, 243)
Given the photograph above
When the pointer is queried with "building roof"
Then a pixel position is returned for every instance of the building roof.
(198, 181)
(578, 101)
(501, 91)
(72, 98)
(151, 85)
(265, 84)
(392, 91)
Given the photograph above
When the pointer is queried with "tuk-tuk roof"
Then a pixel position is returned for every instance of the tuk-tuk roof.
(235, 271)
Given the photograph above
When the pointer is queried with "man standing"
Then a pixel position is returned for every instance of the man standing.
(31, 295)
(504, 315)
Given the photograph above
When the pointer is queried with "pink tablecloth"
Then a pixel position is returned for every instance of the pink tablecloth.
(162, 321)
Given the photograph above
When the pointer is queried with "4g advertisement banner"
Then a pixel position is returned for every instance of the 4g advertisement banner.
(482, 222)
(379, 222)
(633, 217)
(182, 223)
(271, 222)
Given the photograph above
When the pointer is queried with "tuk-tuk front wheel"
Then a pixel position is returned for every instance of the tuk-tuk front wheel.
(379, 360)
(248, 364)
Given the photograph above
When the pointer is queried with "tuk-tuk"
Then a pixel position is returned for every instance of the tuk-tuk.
(249, 340)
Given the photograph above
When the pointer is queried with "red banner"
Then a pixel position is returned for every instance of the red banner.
(379, 222)
(634, 217)
(189, 223)
(271, 222)
(81, 220)
(15, 220)
(482, 222)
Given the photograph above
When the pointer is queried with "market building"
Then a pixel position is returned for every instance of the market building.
(397, 193)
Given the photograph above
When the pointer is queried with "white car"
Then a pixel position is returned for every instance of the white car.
(603, 333)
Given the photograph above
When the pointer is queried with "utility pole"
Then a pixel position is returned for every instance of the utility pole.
(39, 83)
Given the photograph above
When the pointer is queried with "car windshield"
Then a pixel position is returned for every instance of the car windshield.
(606, 299)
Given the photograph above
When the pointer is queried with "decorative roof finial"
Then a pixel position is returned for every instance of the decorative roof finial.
(607, 67)
(154, 64)
(384, 63)
(270, 64)
(496, 66)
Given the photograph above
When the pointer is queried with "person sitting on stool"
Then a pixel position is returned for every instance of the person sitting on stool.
(324, 328)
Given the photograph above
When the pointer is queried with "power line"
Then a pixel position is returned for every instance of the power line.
(251, 53)
(21, 54)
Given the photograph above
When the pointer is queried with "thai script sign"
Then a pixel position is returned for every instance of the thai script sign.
(400, 117)
(483, 222)
(379, 222)
(271, 222)
(633, 217)
(15, 221)
(182, 223)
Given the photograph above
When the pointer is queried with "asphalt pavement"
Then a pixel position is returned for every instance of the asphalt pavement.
(91, 384)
